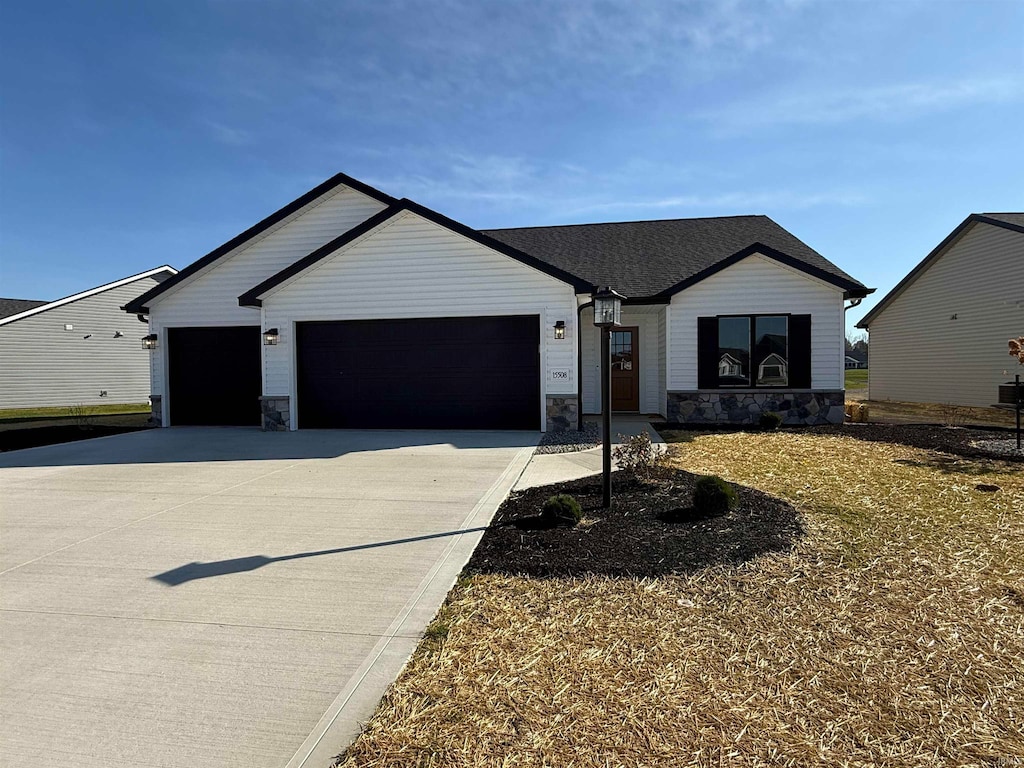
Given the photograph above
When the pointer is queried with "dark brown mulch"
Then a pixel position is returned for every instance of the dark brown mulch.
(633, 538)
(954, 440)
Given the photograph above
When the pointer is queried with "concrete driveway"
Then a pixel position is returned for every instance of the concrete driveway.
(226, 597)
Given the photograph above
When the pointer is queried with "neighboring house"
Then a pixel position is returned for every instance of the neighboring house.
(729, 367)
(79, 350)
(378, 312)
(940, 336)
(856, 359)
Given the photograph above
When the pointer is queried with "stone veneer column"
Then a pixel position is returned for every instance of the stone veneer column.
(276, 413)
(746, 407)
(562, 413)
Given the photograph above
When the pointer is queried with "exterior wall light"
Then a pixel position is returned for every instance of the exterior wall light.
(560, 329)
(149, 342)
(271, 337)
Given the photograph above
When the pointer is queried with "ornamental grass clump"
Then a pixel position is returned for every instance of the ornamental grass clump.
(713, 496)
(770, 421)
(562, 509)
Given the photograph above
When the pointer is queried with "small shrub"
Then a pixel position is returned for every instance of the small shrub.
(562, 509)
(713, 496)
(636, 454)
(769, 421)
(80, 413)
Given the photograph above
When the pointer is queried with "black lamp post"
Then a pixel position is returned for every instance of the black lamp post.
(607, 314)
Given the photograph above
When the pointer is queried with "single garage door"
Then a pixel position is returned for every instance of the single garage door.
(214, 375)
(435, 373)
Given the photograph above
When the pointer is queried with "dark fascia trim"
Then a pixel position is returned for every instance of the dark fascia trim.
(141, 304)
(252, 297)
(902, 285)
(851, 289)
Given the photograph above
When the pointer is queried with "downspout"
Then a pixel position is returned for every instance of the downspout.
(853, 303)
(579, 364)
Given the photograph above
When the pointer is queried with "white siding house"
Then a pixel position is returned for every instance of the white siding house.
(80, 350)
(940, 336)
(350, 308)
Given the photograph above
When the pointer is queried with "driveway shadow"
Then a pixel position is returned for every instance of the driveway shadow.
(213, 444)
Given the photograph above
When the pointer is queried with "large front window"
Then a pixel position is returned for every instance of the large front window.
(753, 351)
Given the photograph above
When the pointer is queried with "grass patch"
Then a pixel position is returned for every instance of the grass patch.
(68, 411)
(856, 378)
(892, 634)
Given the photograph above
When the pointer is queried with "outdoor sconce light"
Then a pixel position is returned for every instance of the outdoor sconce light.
(271, 337)
(149, 342)
(607, 308)
(560, 329)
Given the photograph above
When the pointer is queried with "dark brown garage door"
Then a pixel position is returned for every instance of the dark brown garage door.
(437, 373)
(214, 375)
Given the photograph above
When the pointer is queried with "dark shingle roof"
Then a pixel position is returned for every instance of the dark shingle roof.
(1007, 218)
(10, 307)
(646, 258)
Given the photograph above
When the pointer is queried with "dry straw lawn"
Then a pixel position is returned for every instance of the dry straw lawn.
(893, 635)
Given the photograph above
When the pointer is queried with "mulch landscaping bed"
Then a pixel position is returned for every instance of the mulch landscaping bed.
(16, 439)
(954, 440)
(649, 530)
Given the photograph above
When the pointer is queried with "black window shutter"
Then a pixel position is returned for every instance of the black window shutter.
(800, 351)
(707, 352)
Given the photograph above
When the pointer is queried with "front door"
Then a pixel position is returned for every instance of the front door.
(625, 370)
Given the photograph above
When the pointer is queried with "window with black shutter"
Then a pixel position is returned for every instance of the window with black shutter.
(754, 352)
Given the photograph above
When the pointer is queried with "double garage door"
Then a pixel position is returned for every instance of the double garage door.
(427, 373)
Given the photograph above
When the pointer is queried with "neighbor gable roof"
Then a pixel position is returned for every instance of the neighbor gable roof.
(1011, 221)
(656, 259)
(141, 304)
(254, 296)
(46, 306)
(10, 307)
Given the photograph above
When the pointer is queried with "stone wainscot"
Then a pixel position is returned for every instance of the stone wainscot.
(746, 407)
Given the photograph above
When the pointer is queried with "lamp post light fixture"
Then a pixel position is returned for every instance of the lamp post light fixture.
(560, 329)
(607, 315)
(149, 342)
(271, 336)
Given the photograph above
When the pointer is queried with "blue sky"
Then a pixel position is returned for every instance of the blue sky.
(140, 133)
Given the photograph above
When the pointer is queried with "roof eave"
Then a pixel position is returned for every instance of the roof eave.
(140, 305)
(927, 261)
(254, 296)
(850, 288)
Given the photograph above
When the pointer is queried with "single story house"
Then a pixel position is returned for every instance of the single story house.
(855, 359)
(940, 336)
(350, 308)
(79, 350)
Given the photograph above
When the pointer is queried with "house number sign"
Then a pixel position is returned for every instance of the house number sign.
(560, 374)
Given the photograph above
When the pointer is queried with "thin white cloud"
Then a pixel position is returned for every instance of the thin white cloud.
(877, 103)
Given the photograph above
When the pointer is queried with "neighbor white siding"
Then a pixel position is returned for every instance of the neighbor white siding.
(44, 365)
(758, 285)
(411, 268)
(210, 298)
(920, 353)
(651, 354)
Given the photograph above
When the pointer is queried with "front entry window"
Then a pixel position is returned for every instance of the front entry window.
(621, 344)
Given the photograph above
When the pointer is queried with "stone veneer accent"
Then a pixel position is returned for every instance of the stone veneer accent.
(156, 410)
(276, 413)
(563, 413)
(746, 407)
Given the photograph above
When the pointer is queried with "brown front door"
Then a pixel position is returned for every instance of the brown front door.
(625, 370)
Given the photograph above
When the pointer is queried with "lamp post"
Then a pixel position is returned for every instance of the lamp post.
(607, 314)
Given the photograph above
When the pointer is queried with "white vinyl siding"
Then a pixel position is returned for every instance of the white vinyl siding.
(650, 351)
(210, 298)
(43, 365)
(409, 268)
(919, 353)
(761, 286)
